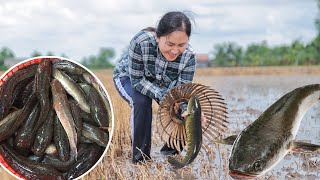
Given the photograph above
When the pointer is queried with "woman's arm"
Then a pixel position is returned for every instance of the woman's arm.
(187, 74)
(136, 71)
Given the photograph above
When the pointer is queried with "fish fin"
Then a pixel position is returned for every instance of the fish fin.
(303, 147)
(228, 140)
(176, 163)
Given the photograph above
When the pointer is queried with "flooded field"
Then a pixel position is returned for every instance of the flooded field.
(248, 96)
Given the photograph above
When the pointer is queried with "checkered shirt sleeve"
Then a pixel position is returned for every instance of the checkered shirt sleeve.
(136, 71)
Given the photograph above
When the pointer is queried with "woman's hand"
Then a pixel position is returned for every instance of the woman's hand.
(176, 107)
(204, 121)
(179, 109)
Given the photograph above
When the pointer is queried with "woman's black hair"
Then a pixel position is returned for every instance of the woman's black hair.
(170, 22)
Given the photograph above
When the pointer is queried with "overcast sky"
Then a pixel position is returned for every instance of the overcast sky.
(79, 28)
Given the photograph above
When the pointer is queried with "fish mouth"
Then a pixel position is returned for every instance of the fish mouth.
(241, 175)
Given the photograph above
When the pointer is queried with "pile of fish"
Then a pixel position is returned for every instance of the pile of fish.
(54, 120)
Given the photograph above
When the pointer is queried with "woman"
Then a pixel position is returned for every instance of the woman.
(157, 60)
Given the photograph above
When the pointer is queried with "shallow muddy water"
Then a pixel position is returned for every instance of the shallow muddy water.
(247, 97)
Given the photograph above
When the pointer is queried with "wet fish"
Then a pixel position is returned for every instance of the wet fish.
(28, 91)
(95, 134)
(41, 89)
(62, 108)
(68, 66)
(92, 80)
(194, 133)
(60, 140)
(17, 97)
(261, 145)
(72, 88)
(75, 110)
(85, 140)
(63, 166)
(9, 120)
(28, 168)
(7, 88)
(44, 135)
(25, 136)
(26, 110)
(85, 161)
(88, 118)
(97, 108)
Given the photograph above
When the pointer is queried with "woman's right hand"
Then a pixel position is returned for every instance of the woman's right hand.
(180, 110)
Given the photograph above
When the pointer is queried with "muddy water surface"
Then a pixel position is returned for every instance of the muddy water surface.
(247, 97)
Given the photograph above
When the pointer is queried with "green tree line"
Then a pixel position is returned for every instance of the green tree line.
(99, 61)
(261, 54)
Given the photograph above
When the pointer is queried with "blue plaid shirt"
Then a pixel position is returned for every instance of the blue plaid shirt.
(150, 73)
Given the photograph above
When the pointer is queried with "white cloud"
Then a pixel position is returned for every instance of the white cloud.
(79, 28)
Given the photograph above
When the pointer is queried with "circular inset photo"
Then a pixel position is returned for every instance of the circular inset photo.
(56, 119)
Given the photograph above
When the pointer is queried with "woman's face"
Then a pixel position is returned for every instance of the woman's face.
(173, 44)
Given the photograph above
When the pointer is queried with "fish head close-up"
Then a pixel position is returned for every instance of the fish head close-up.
(253, 157)
(193, 105)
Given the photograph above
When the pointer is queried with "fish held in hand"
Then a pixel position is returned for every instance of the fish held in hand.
(194, 134)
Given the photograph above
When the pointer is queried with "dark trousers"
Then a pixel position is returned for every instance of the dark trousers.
(140, 118)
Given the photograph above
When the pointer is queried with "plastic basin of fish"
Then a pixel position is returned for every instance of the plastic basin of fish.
(36, 60)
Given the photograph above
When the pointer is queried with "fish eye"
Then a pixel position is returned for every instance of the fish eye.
(257, 165)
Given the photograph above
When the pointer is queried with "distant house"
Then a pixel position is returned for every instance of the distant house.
(202, 60)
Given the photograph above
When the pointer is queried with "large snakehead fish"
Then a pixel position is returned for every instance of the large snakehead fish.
(261, 145)
(194, 133)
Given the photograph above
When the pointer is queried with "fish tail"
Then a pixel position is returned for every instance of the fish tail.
(176, 163)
